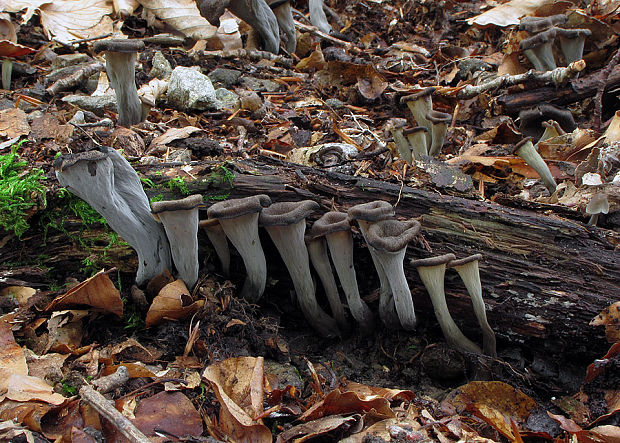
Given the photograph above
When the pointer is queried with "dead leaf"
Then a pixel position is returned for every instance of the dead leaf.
(610, 318)
(20, 387)
(508, 13)
(65, 331)
(597, 368)
(68, 20)
(159, 143)
(387, 393)
(14, 123)
(48, 127)
(319, 428)
(97, 291)
(173, 302)
(314, 62)
(12, 356)
(172, 412)
(182, 15)
(10, 49)
(21, 294)
(337, 402)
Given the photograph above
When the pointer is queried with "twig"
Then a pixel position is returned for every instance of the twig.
(598, 100)
(112, 381)
(75, 79)
(556, 76)
(252, 54)
(104, 407)
(315, 31)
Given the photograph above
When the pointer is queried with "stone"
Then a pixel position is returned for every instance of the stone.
(226, 77)
(229, 99)
(191, 90)
(161, 66)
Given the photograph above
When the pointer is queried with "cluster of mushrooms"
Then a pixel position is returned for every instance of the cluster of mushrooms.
(165, 233)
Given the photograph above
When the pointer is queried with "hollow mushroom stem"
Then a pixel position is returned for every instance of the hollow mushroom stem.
(120, 62)
(239, 220)
(180, 220)
(526, 150)
(439, 122)
(260, 17)
(284, 16)
(432, 271)
(539, 50)
(572, 42)
(285, 223)
(335, 227)
(467, 269)
(417, 141)
(390, 239)
(7, 72)
(217, 237)
(318, 17)
(420, 104)
(396, 127)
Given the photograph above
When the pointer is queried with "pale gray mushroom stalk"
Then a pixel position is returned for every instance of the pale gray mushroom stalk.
(390, 238)
(239, 220)
(317, 250)
(335, 227)
(539, 50)
(572, 42)
(217, 237)
(284, 14)
(432, 271)
(421, 103)
(439, 121)
(467, 269)
(417, 140)
(285, 223)
(526, 150)
(120, 61)
(396, 127)
(107, 182)
(180, 220)
(366, 214)
(318, 17)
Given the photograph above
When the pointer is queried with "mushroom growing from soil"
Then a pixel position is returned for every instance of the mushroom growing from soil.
(120, 62)
(467, 269)
(539, 50)
(180, 220)
(420, 104)
(239, 220)
(217, 237)
(534, 25)
(318, 17)
(396, 126)
(572, 42)
(390, 238)
(366, 214)
(285, 222)
(440, 122)
(107, 182)
(526, 150)
(417, 141)
(551, 129)
(317, 250)
(284, 15)
(432, 271)
(335, 228)
(596, 206)
(531, 119)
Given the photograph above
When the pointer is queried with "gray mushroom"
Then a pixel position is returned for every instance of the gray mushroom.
(467, 269)
(417, 141)
(534, 25)
(551, 129)
(335, 228)
(572, 42)
(180, 220)
(284, 16)
(420, 104)
(390, 238)
(526, 150)
(285, 223)
(107, 182)
(596, 206)
(439, 121)
(120, 61)
(432, 271)
(239, 220)
(396, 126)
(318, 17)
(539, 50)
(217, 237)
(366, 214)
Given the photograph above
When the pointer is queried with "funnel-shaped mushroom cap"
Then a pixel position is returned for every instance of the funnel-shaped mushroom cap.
(392, 235)
(534, 25)
(538, 50)
(532, 119)
(527, 151)
(237, 207)
(440, 122)
(372, 211)
(329, 223)
(180, 220)
(118, 45)
(420, 104)
(598, 205)
(432, 261)
(437, 117)
(217, 236)
(572, 42)
(551, 129)
(287, 213)
(422, 94)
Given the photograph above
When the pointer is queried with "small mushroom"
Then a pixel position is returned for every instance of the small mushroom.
(180, 220)
(335, 228)
(217, 236)
(317, 250)
(420, 104)
(531, 119)
(539, 50)
(284, 16)
(440, 122)
(390, 238)
(285, 223)
(467, 269)
(597, 205)
(107, 182)
(239, 220)
(432, 271)
(417, 140)
(572, 42)
(551, 129)
(534, 25)
(366, 214)
(318, 17)
(396, 126)
(120, 62)
(526, 150)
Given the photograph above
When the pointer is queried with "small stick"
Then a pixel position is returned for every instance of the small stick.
(75, 79)
(315, 31)
(112, 381)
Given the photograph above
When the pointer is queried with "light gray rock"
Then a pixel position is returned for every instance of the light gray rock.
(65, 60)
(229, 99)
(190, 90)
(161, 66)
(96, 105)
(227, 77)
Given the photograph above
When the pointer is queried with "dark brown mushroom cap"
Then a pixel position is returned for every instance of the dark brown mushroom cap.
(538, 39)
(66, 161)
(432, 261)
(372, 211)
(287, 213)
(392, 235)
(532, 118)
(512, 150)
(119, 45)
(436, 117)
(534, 25)
(184, 204)
(574, 33)
(415, 129)
(238, 206)
(464, 261)
(329, 223)
(417, 95)
(208, 223)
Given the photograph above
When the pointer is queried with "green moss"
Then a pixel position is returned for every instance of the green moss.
(177, 184)
(21, 191)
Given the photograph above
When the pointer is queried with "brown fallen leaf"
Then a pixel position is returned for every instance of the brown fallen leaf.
(24, 388)
(610, 318)
(173, 302)
(508, 13)
(14, 123)
(337, 402)
(12, 357)
(172, 412)
(320, 428)
(182, 15)
(65, 331)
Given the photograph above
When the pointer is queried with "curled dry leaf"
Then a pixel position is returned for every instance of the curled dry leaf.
(508, 13)
(610, 318)
(24, 388)
(12, 356)
(68, 20)
(173, 302)
(182, 15)
(14, 123)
